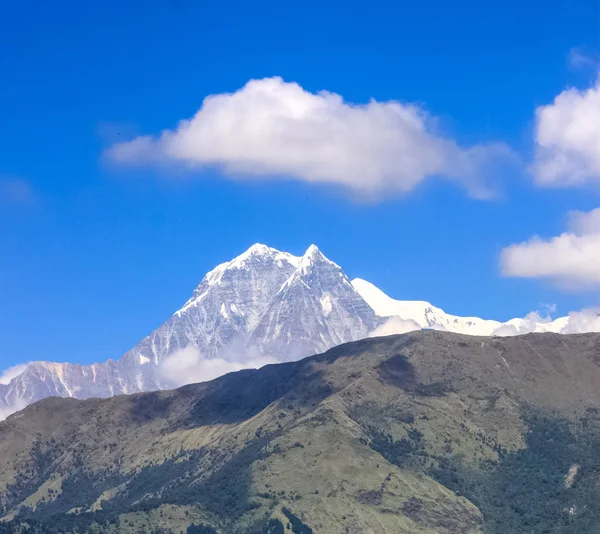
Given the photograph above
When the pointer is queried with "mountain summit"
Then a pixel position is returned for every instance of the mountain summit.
(315, 309)
(263, 306)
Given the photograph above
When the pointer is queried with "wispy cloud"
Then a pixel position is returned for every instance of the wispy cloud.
(273, 129)
(6, 411)
(11, 372)
(580, 58)
(16, 191)
(395, 325)
(187, 366)
(6, 377)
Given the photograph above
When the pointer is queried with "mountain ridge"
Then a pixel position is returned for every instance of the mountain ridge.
(421, 433)
(264, 305)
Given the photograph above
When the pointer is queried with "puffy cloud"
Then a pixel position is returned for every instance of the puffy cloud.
(507, 330)
(586, 320)
(395, 325)
(578, 322)
(567, 136)
(270, 128)
(187, 366)
(572, 259)
(532, 322)
(11, 372)
(585, 222)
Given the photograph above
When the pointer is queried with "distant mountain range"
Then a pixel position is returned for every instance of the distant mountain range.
(263, 306)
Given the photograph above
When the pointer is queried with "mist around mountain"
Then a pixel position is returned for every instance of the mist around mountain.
(264, 306)
(422, 433)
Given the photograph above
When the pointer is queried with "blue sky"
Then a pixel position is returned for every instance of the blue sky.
(95, 255)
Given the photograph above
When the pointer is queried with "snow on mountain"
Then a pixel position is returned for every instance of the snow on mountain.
(218, 323)
(315, 309)
(265, 305)
(223, 309)
(425, 315)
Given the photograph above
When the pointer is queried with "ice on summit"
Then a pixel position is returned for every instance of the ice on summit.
(257, 253)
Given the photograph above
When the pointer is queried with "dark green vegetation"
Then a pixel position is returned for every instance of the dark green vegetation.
(200, 529)
(422, 433)
(296, 525)
(527, 490)
(274, 526)
(524, 490)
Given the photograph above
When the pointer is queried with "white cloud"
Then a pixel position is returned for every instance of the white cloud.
(578, 322)
(532, 322)
(187, 366)
(395, 325)
(586, 320)
(571, 259)
(567, 136)
(11, 373)
(507, 330)
(585, 222)
(579, 58)
(270, 128)
(5, 379)
(568, 258)
(6, 411)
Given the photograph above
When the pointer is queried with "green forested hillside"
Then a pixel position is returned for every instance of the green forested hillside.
(427, 432)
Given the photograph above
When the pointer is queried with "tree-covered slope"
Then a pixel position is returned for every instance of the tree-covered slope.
(427, 432)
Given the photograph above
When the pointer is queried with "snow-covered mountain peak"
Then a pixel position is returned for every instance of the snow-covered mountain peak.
(385, 306)
(421, 312)
(425, 315)
(240, 289)
(264, 304)
(257, 253)
(313, 256)
(313, 266)
(260, 252)
(316, 308)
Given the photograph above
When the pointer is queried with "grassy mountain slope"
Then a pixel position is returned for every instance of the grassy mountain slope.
(428, 432)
